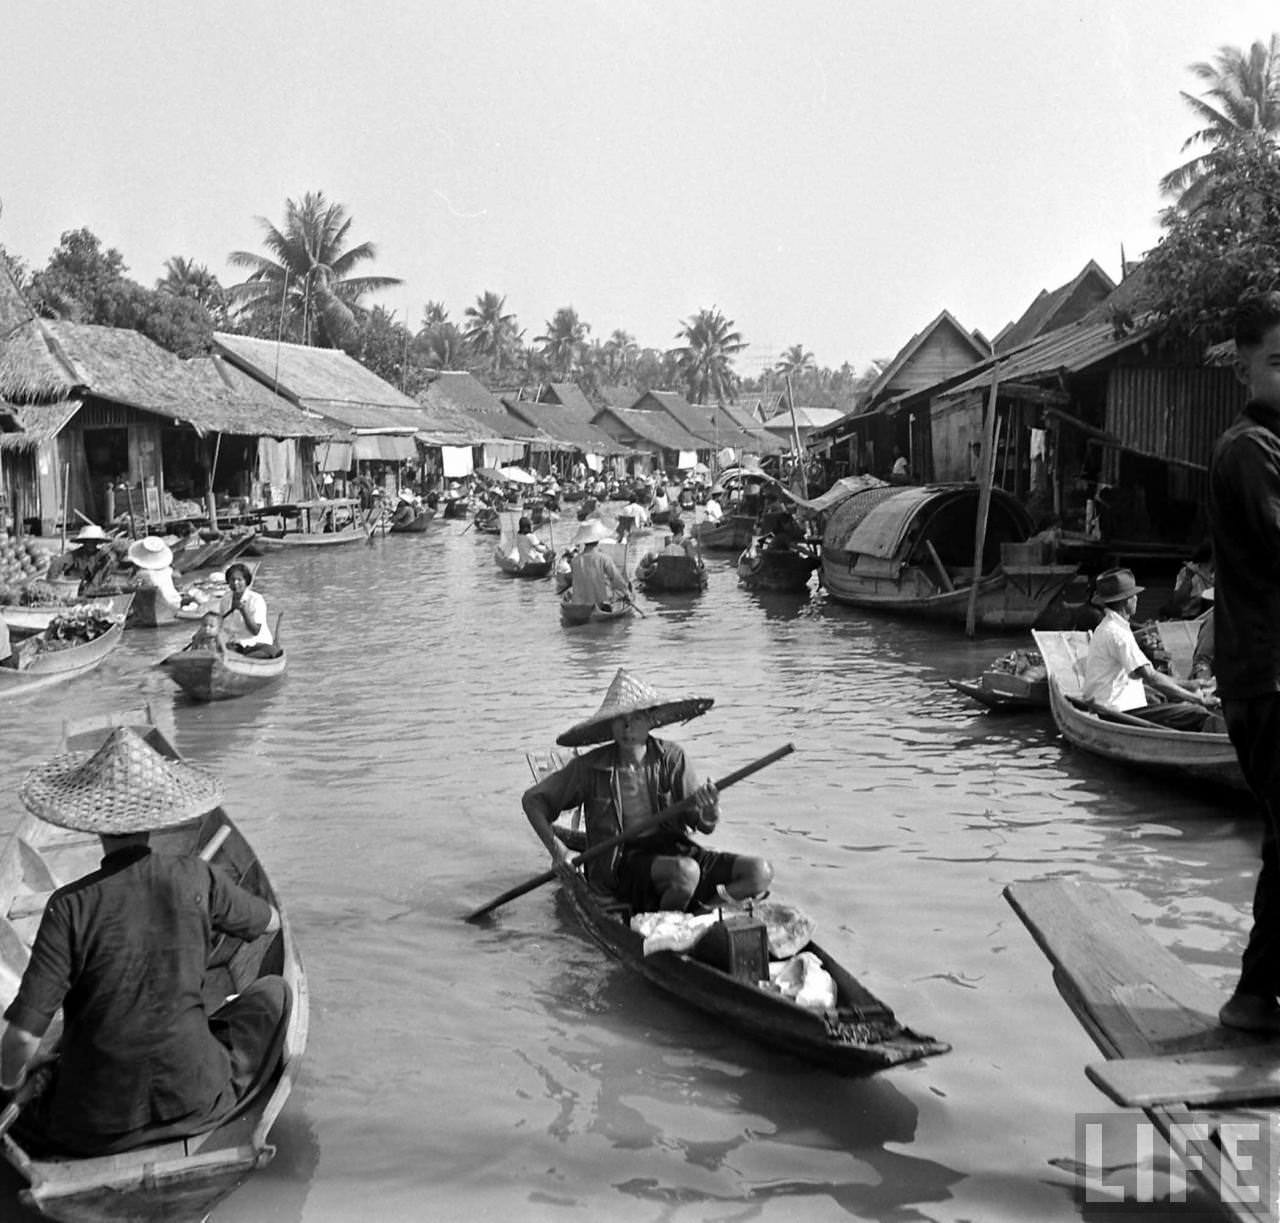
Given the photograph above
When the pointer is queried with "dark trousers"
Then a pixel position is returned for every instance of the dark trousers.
(1254, 727)
(1175, 715)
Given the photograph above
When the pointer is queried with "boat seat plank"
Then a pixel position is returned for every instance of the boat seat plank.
(35, 870)
(1132, 993)
(28, 904)
(1209, 1077)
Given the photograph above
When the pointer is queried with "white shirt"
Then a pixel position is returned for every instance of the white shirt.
(713, 511)
(1114, 655)
(252, 602)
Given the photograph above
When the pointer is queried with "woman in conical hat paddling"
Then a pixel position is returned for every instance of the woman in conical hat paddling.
(634, 776)
(123, 952)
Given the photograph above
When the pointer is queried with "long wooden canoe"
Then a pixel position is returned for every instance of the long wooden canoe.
(731, 534)
(1156, 1018)
(859, 1037)
(58, 666)
(512, 568)
(219, 675)
(187, 1178)
(671, 574)
(781, 569)
(573, 615)
(1200, 756)
(415, 525)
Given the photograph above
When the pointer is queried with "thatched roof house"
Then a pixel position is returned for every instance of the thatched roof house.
(568, 429)
(104, 410)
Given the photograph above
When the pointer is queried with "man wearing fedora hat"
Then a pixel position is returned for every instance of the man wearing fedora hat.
(1117, 673)
(629, 779)
(123, 953)
(1244, 519)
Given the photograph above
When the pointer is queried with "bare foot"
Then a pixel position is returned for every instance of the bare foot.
(1251, 1013)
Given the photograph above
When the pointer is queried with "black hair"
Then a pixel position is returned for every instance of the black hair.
(676, 525)
(238, 567)
(1255, 316)
(524, 526)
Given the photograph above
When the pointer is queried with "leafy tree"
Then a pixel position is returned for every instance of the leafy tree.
(309, 269)
(491, 333)
(17, 269)
(1226, 246)
(620, 353)
(187, 278)
(795, 361)
(434, 313)
(1243, 99)
(442, 346)
(74, 282)
(564, 343)
(705, 361)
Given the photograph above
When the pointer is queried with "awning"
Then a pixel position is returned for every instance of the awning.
(383, 447)
(455, 461)
(333, 456)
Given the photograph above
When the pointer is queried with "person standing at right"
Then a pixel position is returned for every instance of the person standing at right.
(1244, 512)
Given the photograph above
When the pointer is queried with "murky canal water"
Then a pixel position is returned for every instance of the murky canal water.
(512, 1072)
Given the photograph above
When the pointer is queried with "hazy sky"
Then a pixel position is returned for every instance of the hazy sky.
(826, 174)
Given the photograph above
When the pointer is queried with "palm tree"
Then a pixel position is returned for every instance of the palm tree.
(1243, 99)
(308, 268)
(705, 361)
(434, 313)
(563, 342)
(441, 346)
(795, 361)
(620, 352)
(491, 333)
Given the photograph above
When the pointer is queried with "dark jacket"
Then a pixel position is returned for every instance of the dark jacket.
(1244, 513)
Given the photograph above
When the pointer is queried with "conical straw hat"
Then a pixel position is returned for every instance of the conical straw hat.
(593, 531)
(125, 786)
(627, 694)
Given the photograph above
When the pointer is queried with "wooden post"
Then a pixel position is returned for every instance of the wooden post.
(212, 500)
(66, 498)
(987, 475)
(798, 462)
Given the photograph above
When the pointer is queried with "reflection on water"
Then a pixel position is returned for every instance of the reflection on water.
(509, 1070)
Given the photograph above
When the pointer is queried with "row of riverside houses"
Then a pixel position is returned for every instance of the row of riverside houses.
(98, 421)
(1099, 423)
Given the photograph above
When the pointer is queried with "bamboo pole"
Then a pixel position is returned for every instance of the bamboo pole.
(66, 498)
(797, 470)
(987, 474)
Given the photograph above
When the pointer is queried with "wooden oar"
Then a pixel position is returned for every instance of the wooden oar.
(645, 826)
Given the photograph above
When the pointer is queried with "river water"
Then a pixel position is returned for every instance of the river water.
(509, 1071)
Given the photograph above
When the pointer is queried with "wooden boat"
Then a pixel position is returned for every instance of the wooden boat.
(987, 690)
(859, 1037)
(487, 521)
(149, 610)
(761, 567)
(36, 669)
(531, 569)
(455, 507)
(201, 553)
(575, 614)
(219, 675)
(1016, 682)
(1156, 1020)
(671, 574)
(36, 619)
(299, 522)
(731, 534)
(1201, 756)
(415, 525)
(909, 551)
(183, 1179)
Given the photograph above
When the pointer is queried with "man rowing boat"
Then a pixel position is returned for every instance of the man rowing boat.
(123, 953)
(629, 779)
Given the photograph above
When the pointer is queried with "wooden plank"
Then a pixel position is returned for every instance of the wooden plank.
(1064, 657)
(1213, 1077)
(1133, 994)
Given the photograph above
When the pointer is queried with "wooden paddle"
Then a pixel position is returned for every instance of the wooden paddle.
(641, 829)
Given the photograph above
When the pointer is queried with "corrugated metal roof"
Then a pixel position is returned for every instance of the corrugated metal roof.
(1070, 349)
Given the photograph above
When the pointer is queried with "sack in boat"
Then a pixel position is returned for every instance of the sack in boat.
(670, 930)
(789, 929)
(805, 982)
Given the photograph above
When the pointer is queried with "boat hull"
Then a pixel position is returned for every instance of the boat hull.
(785, 570)
(538, 569)
(731, 534)
(1204, 757)
(207, 675)
(182, 1180)
(573, 615)
(415, 526)
(860, 1038)
(999, 701)
(266, 542)
(59, 666)
(671, 575)
(1003, 601)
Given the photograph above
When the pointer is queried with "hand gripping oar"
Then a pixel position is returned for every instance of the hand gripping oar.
(645, 826)
(33, 1085)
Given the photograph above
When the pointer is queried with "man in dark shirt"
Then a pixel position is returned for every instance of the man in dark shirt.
(123, 952)
(1244, 506)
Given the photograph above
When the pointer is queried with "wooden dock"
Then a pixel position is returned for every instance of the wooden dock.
(1156, 1020)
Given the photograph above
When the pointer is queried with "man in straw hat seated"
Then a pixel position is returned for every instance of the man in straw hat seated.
(632, 777)
(595, 579)
(123, 952)
(91, 560)
(1118, 674)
